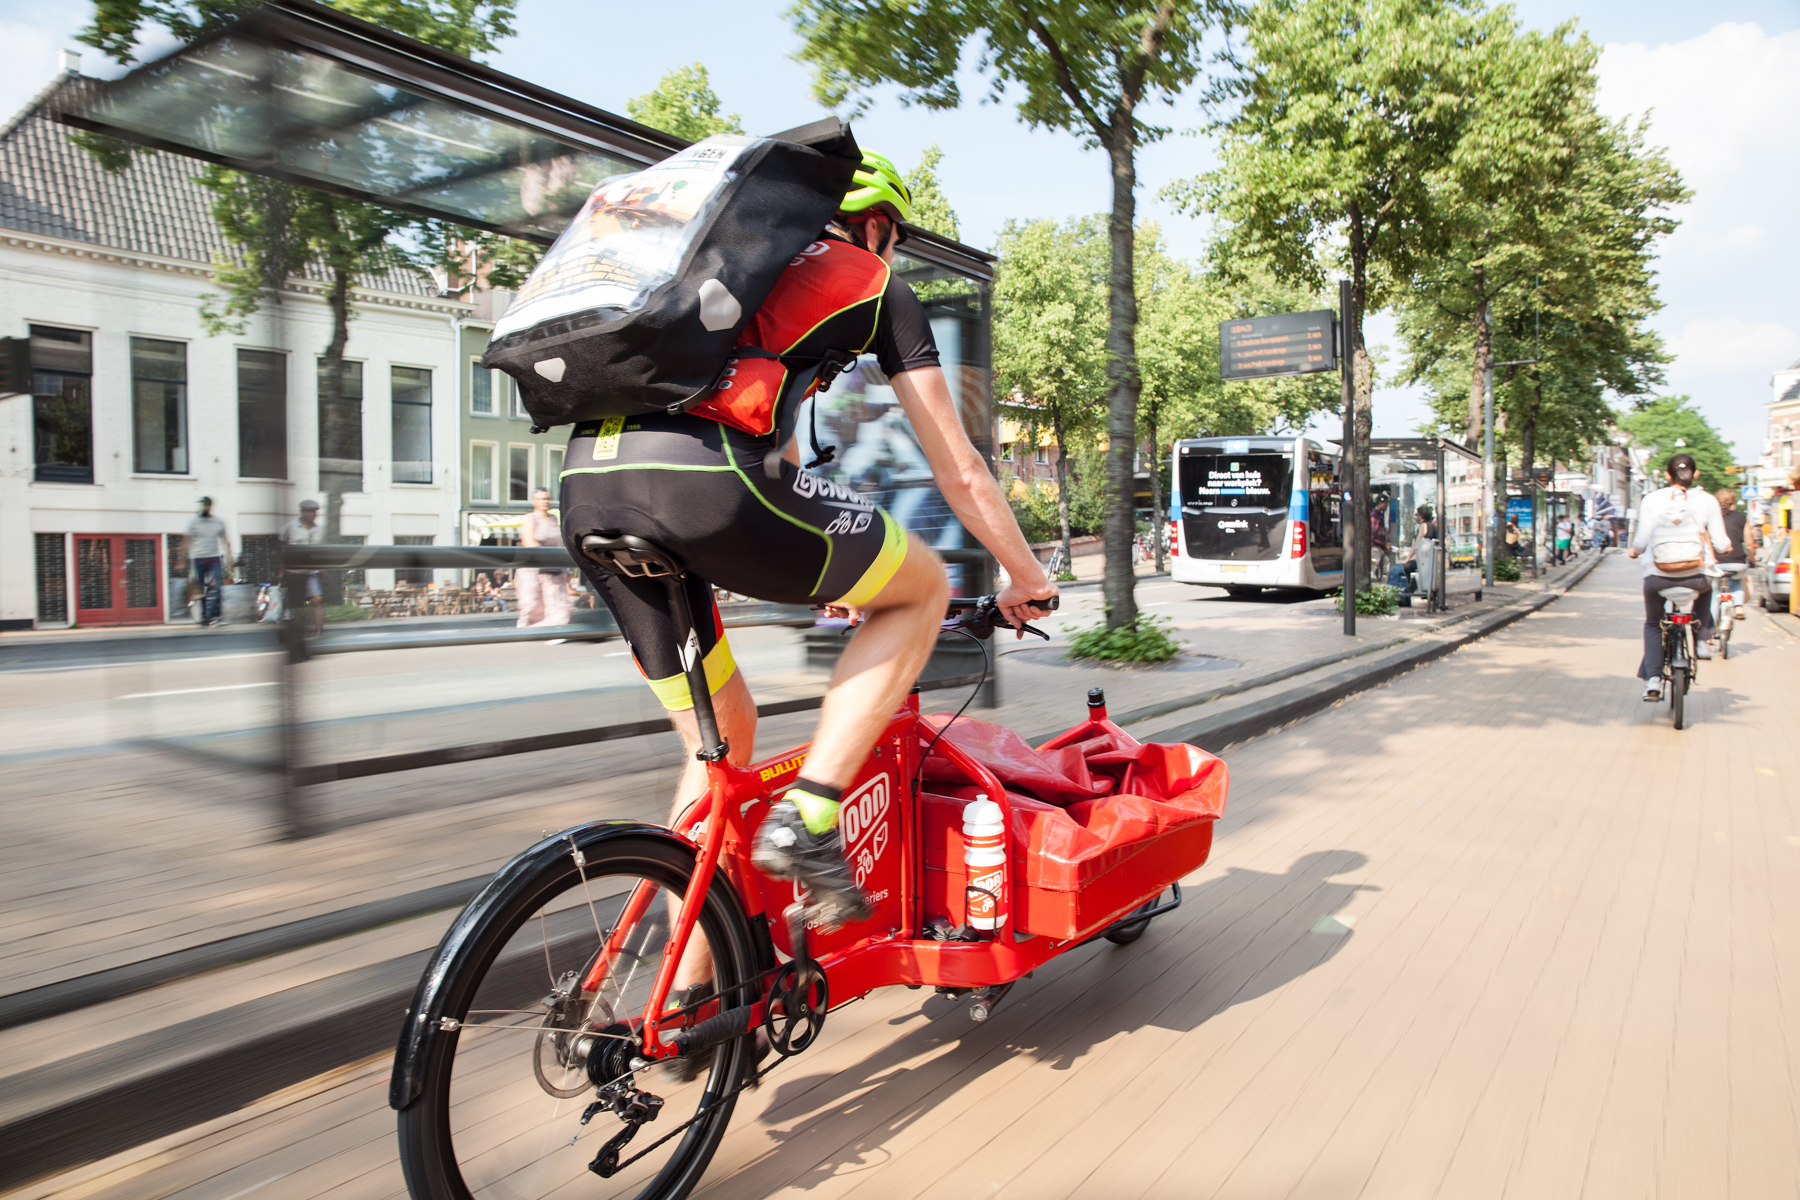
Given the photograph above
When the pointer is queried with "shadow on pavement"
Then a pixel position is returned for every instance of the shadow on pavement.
(1238, 936)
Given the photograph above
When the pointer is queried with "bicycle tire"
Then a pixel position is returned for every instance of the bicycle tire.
(1678, 686)
(518, 1142)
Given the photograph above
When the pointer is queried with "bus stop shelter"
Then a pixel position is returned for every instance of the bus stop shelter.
(1406, 475)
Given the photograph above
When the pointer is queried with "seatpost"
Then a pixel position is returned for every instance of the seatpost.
(712, 745)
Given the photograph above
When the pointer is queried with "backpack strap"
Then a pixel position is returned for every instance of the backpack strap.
(821, 368)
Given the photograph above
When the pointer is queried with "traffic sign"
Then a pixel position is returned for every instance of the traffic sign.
(1283, 344)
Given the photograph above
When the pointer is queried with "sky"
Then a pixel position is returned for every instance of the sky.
(1718, 82)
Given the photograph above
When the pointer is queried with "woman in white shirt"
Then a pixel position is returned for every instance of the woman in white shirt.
(1674, 525)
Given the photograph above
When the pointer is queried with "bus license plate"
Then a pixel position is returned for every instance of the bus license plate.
(1231, 569)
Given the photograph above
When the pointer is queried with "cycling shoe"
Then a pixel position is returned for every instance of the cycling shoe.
(1653, 691)
(786, 849)
(1703, 650)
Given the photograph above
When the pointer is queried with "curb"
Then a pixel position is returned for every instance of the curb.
(1263, 716)
(93, 1105)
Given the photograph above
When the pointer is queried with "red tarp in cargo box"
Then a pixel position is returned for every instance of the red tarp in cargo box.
(1097, 823)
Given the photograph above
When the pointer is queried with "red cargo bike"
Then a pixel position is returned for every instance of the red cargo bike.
(548, 1050)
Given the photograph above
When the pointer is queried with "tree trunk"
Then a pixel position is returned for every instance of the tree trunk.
(1122, 378)
(1484, 344)
(1062, 488)
(331, 410)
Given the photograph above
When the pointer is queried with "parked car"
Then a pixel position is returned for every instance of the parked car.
(1776, 575)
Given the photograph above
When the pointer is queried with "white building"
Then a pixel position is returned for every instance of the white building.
(1781, 450)
(134, 412)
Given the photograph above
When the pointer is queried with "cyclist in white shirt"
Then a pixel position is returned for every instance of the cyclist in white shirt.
(305, 531)
(1674, 525)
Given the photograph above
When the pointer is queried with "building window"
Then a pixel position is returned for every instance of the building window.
(417, 576)
(159, 407)
(1043, 455)
(481, 472)
(340, 429)
(262, 414)
(412, 425)
(62, 374)
(481, 390)
(259, 557)
(553, 463)
(515, 401)
(52, 577)
(518, 474)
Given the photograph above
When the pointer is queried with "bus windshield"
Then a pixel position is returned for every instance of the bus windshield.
(1235, 506)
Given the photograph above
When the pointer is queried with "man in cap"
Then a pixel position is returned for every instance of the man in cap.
(305, 531)
(208, 551)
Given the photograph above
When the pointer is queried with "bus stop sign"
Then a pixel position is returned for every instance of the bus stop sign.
(1283, 344)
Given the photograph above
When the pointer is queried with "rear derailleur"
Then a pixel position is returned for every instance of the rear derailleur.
(634, 1106)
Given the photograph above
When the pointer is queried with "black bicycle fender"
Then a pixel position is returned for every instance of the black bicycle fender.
(458, 945)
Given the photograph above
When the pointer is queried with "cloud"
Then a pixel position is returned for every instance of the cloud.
(1724, 344)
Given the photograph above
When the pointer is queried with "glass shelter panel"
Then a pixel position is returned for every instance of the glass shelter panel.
(1404, 532)
(1465, 536)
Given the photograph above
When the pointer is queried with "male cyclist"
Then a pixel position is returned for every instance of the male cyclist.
(1672, 526)
(742, 515)
(1742, 533)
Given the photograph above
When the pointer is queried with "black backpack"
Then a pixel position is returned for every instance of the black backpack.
(639, 303)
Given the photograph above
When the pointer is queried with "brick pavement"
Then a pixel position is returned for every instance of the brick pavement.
(1492, 929)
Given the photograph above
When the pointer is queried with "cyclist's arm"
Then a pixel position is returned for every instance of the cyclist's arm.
(972, 491)
(1715, 527)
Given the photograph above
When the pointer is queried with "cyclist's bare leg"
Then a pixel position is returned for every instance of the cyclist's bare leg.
(736, 713)
(879, 666)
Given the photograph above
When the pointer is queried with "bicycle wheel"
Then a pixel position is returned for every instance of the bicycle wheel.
(500, 1110)
(1678, 686)
(1127, 932)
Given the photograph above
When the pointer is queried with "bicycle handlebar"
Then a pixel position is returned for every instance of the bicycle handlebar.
(982, 617)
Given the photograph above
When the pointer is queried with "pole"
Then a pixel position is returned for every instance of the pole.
(1351, 534)
(1487, 466)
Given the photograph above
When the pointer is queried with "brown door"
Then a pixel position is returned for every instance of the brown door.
(118, 579)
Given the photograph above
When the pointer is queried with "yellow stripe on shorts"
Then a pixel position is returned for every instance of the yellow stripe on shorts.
(720, 667)
(893, 553)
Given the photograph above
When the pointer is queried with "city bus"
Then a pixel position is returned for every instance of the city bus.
(1254, 513)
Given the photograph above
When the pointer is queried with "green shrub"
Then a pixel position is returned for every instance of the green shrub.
(1146, 640)
(1066, 577)
(1506, 570)
(1376, 601)
(346, 612)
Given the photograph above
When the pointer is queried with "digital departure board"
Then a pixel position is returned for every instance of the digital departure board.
(1284, 344)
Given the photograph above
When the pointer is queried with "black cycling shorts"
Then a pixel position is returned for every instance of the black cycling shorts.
(699, 490)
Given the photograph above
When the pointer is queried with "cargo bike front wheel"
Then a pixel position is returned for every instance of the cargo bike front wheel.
(529, 1086)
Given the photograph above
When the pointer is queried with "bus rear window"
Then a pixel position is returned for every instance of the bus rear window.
(1258, 480)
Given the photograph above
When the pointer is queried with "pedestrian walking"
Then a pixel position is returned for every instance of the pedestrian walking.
(208, 551)
(543, 593)
(1565, 537)
(304, 587)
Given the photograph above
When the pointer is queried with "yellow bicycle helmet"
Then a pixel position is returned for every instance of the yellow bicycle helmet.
(878, 186)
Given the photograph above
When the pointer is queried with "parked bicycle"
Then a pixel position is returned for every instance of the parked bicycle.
(558, 981)
(1679, 659)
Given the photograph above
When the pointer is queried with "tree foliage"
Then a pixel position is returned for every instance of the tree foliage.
(931, 208)
(1088, 67)
(683, 103)
(1671, 425)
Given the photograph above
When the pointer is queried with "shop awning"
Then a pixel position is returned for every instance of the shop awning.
(301, 92)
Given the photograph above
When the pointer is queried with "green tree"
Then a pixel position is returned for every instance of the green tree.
(1050, 320)
(1671, 425)
(1339, 122)
(684, 104)
(931, 209)
(1088, 67)
(280, 229)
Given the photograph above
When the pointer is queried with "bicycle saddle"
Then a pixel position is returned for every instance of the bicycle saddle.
(628, 554)
(1678, 596)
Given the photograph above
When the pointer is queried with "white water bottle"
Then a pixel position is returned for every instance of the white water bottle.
(984, 854)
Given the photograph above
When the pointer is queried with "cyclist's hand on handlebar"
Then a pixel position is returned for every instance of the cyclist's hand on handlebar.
(1015, 603)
